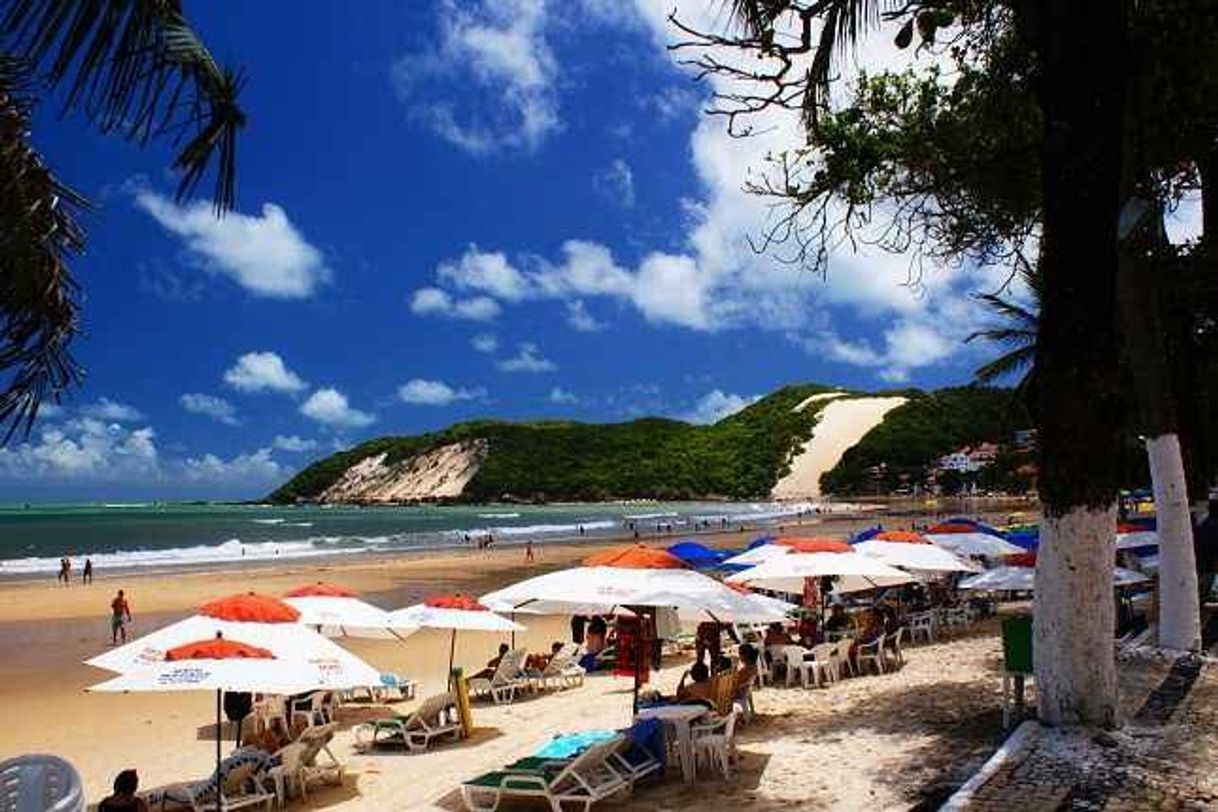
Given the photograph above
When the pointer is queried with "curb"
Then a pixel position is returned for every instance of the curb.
(962, 797)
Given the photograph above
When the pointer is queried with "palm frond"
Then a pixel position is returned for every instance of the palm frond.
(38, 233)
(1006, 365)
(136, 67)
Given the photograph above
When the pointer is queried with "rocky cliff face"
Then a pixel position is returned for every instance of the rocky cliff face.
(441, 473)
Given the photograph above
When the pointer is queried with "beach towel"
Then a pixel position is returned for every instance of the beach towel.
(571, 745)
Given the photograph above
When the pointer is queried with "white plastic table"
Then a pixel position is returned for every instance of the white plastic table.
(678, 718)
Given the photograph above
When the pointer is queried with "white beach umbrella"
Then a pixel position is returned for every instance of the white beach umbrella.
(911, 551)
(758, 555)
(1022, 579)
(336, 612)
(257, 620)
(983, 544)
(1138, 538)
(218, 664)
(597, 589)
(455, 613)
(853, 571)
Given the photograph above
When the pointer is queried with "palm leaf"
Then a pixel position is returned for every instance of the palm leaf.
(1006, 365)
(136, 67)
(38, 233)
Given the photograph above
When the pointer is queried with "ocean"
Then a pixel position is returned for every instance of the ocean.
(33, 538)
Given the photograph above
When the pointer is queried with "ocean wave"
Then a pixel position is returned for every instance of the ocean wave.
(268, 521)
(498, 515)
(552, 529)
(231, 551)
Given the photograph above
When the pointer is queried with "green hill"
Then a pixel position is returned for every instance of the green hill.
(741, 456)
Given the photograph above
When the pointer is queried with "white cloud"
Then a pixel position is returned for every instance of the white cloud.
(497, 50)
(263, 372)
(485, 343)
(486, 272)
(716, 405)
(437, 302)
(87, 448)
(615, 183)
(216, 408)
(528, 358)
(560, 395)
(906, 346)
(111, 411)
(254, 468)
(580, 319)
(422, 392)
(264, 254)
(293, 443)
(330, 408)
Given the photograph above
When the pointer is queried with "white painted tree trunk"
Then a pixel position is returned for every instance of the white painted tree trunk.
(1179, 609)
(1074, 619)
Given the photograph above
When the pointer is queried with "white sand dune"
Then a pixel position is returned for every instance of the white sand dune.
(440, 473)
(841, 425)
(819, 396)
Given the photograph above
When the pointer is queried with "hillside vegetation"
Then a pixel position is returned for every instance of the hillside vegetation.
(741, 456)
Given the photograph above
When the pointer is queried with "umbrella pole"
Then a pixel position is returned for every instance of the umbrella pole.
(452, 650)
(219, 702)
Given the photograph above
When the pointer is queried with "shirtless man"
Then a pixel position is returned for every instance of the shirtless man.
(120, 616)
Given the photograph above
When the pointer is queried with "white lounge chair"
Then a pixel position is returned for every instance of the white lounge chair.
(562, 671)
(501, 686)
(239, 780)
(437, 716)
(317, 760)
(40, 783)
(582, 781)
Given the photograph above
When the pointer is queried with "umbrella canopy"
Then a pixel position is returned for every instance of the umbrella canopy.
(854, 572)
(286, 639)
(756, 555)
(638, 576)
(964, 524)
(765, 602)
(455, 612)
(250, 608)
(697, 555)
(335, 611)
(814, 545)
(971, 543)
(912, 552)
(1022, 579)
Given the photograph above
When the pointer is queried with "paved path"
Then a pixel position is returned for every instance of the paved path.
(1165, 757)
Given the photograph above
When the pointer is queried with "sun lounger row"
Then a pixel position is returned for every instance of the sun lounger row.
(510, 675)
(603, 769)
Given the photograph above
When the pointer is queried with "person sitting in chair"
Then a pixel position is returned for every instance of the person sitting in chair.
(699, 687)
(124, 799)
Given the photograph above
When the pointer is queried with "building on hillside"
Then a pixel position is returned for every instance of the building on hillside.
(969, 459)
(1024, 440)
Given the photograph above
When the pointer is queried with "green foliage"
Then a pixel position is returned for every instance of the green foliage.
(741, 456)
(925, 428)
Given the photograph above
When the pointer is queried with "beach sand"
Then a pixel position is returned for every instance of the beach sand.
(863, 743)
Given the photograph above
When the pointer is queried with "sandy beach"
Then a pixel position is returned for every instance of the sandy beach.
(883, 726)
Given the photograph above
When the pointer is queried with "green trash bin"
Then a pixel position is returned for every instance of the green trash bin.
(1017, 644)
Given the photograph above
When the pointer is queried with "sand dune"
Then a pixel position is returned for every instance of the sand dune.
(438, 474)
(842, 424)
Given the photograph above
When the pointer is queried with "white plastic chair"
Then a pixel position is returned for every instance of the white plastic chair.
(825, 665)
(923, 623)
(311, 708)
(40, 783)
(872, 652)
(841, 654)
(716, 743)
(796, 664)
(892, 645)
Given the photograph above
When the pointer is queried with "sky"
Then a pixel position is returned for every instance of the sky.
(449, 210)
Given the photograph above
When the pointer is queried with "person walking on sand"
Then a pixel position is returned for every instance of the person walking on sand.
(86, 575)
(120, 616)
(528, 551)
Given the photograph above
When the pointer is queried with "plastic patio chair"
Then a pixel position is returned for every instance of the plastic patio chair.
(40, 783)
(872, 652)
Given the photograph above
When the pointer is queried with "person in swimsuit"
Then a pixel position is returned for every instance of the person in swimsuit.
(124, 799)
(86, 575)
(120, 616)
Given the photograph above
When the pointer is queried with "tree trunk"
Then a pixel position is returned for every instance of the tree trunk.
(1076, 396)
(1179, 607)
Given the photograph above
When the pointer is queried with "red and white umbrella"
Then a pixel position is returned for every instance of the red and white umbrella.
(218, 664)
(912, 551)
(967, 538)
(256, 620)
(336, 611)
(456, 613)
(636, 576)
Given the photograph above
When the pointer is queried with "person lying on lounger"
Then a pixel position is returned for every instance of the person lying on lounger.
(124, 799)
(492, 664)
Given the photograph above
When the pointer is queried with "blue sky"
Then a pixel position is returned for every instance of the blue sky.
(448, 210)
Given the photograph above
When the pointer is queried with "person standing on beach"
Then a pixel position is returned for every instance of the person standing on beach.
(528, 551)
(86, 575)
(120, 616)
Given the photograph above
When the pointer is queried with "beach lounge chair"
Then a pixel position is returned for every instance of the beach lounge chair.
(501, 686)
(317, 760)
(239, 780)
(436, 716)
(40, 783)
(715, 742)
(642, 753)
(873, 653)
(562, 671)
(582, 781)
